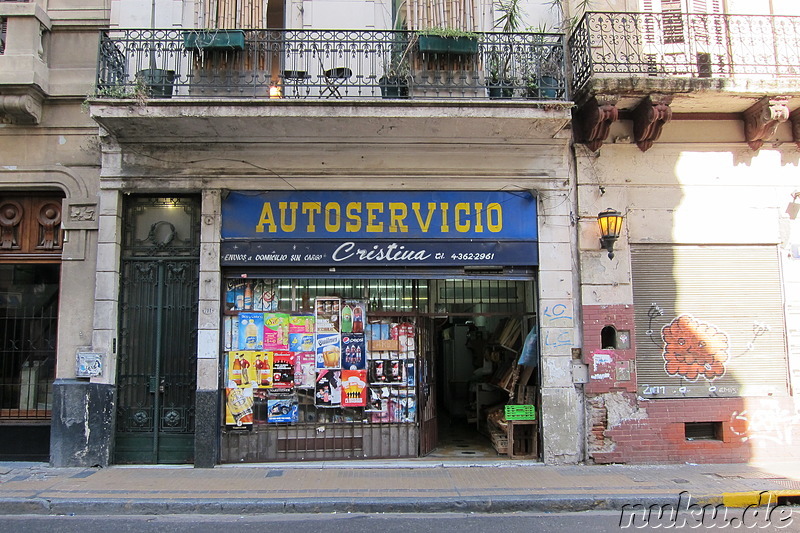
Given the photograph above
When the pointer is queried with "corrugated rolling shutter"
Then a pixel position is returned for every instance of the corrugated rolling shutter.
(724, 312)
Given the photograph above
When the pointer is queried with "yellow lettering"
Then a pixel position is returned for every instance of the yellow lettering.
(289, 208)
(333, 208)
(478, 218)
(494, 217)
(461, 207)
(373, 208)
(398, 212)
(354, 214)
(311, 209)
(424, 225)
(444, 207)
(266, 218)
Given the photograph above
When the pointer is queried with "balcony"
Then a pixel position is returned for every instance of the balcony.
(319, 64)
(300, 86)
(656, 64)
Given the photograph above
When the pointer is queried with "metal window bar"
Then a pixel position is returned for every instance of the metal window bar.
(28, 323)
(389, 425)
(326, 64)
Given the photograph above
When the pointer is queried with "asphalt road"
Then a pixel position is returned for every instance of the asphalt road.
(592, 521)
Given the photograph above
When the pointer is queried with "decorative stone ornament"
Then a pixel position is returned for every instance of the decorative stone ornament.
(592, 122)
(762, 119)
(649, 118)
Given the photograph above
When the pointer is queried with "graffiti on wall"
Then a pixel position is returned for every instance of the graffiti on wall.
(557, 324)
(775, 426)
(694, 349)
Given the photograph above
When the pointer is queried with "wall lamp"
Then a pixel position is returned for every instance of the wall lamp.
(610, 222)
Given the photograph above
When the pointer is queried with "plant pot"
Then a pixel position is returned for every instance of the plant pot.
(500, 89)
(448, 45)
(158, 82)
(548, 87)
(393, 87)
(214, 40)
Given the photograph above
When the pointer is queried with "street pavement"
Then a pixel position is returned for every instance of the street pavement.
(419, 486)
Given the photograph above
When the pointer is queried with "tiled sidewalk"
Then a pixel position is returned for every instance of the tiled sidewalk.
(366, 486)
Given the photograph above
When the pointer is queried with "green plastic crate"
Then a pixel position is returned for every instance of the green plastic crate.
(520, 412)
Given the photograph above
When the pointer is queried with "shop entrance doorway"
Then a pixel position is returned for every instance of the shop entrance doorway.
(479, 374)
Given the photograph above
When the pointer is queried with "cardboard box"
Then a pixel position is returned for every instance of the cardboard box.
(384, 345)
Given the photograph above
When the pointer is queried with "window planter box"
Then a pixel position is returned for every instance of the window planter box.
(214, 40)
(448, 45)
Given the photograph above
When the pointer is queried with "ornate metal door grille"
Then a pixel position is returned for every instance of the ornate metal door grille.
(158, 331)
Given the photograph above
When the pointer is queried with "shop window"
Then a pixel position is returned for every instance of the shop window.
(331, 367)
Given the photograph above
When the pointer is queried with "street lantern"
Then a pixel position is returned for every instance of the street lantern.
(610, 222)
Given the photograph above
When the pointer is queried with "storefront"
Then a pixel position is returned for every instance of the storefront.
(361, 324)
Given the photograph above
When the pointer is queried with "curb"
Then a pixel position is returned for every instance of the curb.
(549, 504)
(758, 498)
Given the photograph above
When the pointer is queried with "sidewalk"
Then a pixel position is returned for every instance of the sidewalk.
(379, 486)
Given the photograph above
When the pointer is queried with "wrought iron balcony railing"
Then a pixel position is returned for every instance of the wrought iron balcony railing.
(685, 45)
(310, 64)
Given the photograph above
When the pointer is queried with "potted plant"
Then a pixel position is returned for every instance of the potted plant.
(396, 72)
(500, 80)
(153, 81)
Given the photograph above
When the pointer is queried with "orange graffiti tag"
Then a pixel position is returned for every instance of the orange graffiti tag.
(693, 349)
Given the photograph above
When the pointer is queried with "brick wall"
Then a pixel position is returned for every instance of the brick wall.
(623, 429)
(606, 366)
(752, 429)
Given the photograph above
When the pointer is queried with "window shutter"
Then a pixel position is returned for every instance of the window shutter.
(730, 298)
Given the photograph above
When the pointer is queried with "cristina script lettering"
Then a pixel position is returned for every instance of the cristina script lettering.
(390, 252)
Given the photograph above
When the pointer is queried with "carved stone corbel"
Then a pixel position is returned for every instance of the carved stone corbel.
(592, 122)
(762, 119)
(21, 108)
(794, 116)
(649, 118)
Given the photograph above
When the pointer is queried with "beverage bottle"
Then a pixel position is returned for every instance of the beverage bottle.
(358, 320)
(250, 335)
(248, 296)
(347, 319)
(236, 371)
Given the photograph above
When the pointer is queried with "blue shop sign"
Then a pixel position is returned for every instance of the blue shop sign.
(391, 215)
